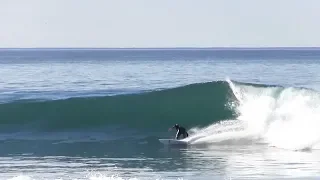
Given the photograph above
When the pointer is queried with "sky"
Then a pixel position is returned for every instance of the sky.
(159, 23)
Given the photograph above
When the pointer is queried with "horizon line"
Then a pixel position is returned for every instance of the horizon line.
(168, 48)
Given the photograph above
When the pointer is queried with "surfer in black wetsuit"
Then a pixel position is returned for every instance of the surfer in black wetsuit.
(180, 131)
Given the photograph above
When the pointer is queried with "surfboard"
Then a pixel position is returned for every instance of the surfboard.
(172, 142)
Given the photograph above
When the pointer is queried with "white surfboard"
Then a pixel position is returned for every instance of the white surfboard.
(172, 142)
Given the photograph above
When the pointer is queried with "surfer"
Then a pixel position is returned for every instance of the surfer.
(180, 131)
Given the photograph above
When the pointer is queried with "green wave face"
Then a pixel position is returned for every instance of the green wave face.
(192, 105)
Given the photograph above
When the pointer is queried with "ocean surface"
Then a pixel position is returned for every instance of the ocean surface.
(97, 114)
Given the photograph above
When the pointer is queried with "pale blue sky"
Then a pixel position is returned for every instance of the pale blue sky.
(162, 23)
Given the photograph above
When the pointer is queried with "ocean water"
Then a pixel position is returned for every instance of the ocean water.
(97, 114)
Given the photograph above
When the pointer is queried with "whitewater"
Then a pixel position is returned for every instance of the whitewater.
(97, 114)
(281, 117)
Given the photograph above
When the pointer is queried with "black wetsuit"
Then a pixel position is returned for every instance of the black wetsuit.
(181, 131)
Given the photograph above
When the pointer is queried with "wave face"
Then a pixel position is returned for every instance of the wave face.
(192, 105)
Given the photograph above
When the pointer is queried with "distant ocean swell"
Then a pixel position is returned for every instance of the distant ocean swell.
(192, 105)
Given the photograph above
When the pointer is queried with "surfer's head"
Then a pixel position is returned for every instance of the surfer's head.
(176, 126)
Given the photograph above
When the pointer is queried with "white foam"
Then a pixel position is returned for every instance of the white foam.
(91, 177)
(283, 117)
(21, 177)
(109, 178)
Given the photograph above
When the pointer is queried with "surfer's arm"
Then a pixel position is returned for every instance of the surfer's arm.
(178, 134)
